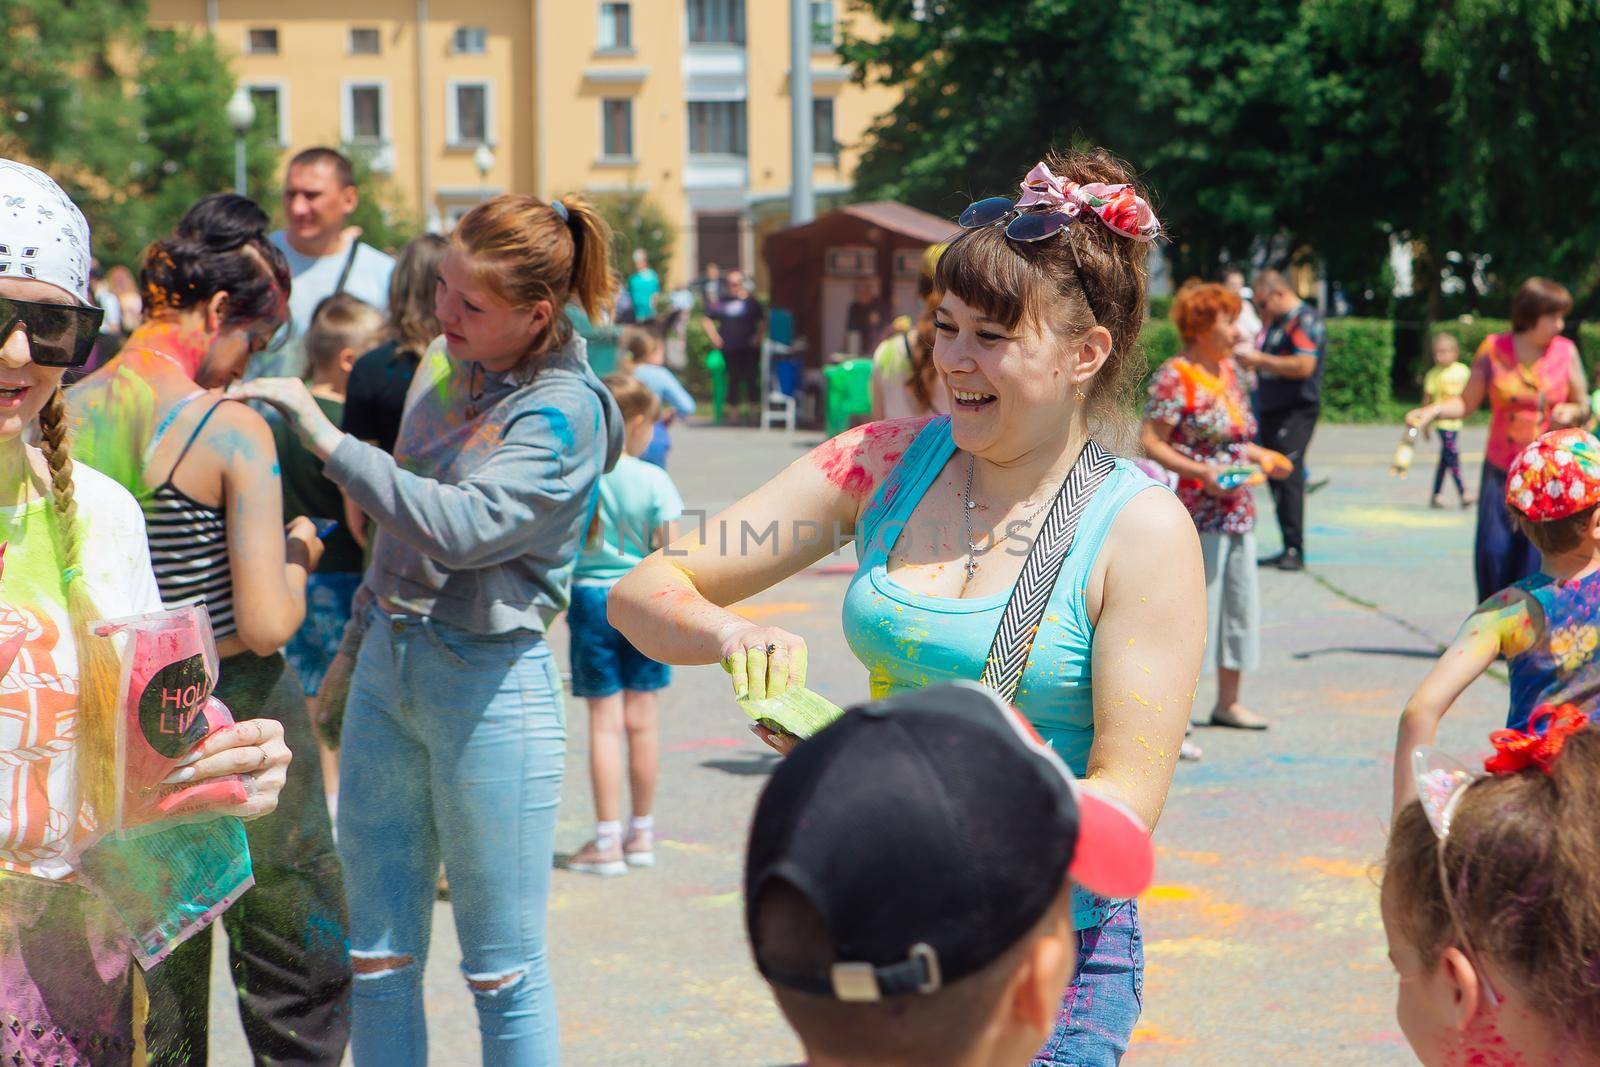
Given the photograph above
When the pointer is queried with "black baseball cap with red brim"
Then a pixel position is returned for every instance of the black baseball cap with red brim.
(931, 831)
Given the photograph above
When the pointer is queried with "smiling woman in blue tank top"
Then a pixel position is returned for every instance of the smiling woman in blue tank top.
(1040, 304)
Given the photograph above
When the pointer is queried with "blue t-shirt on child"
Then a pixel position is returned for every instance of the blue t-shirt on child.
(635, 499)
(662, 382)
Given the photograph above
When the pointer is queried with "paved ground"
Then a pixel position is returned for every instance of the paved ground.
(1263, 939)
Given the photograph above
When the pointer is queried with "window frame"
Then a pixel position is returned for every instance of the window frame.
(252, 85)
(249, 41)
(607, 156)
(452, 111)
(738, 27)
(833, 26)
(740, 131)
(624, 48)
(455, 41)
(817, 150)
(347, 111)
(350, 41)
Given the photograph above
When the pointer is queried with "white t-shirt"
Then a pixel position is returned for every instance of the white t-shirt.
(40, 817)
(314, 280)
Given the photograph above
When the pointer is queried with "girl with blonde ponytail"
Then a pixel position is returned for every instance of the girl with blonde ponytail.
(73, 551)
(454, 733)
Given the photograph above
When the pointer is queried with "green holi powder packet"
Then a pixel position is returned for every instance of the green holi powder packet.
(169, 882)
(796, 711)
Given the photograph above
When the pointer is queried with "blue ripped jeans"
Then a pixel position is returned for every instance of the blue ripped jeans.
(1103, 1002)
(453, 746)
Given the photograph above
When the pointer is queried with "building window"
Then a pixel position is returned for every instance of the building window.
(365, 113)
(716, 128)
(471, 41)
(467, 113)
(822, 25)
(616, 27)
(364, 41)
(716, 21)
(272, 118)
(260, 41)
(616, 129)
(822, 142)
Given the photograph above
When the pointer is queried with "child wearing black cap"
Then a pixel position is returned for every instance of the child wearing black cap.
(907, 885)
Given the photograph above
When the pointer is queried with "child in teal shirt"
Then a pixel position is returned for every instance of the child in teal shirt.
(637, 509)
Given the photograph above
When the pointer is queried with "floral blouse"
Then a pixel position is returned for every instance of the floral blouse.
(1212, 423)
(1562, 664)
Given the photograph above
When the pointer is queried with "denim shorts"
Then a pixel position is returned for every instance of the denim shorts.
(603, 662)
(311, 649)
(1103, 1002)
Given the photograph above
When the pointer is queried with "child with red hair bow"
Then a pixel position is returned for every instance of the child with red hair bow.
(1547, 627)
(1491, 900)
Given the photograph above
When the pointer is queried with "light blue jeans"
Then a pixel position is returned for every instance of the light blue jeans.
(453, 746)
(1103, 1003)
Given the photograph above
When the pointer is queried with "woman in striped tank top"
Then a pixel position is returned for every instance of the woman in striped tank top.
(205, 471)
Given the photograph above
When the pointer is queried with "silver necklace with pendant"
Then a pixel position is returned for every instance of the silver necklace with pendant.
(968, 505)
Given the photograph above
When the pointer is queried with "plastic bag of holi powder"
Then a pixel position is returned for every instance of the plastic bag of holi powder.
(796, 711)
(166, 880)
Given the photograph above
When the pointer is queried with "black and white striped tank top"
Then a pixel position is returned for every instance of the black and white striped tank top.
(189, 540)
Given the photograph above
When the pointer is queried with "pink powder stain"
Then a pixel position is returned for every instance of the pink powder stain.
(855, 459)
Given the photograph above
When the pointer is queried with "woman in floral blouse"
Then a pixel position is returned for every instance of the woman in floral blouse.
(1198, 424)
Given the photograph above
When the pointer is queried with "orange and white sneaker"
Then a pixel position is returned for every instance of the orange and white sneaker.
(639, 850)
(592, 859)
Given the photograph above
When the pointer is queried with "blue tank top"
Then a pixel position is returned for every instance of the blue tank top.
(1563, 664)
(908, 640)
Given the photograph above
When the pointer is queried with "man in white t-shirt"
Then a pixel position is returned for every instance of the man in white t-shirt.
(319, 195)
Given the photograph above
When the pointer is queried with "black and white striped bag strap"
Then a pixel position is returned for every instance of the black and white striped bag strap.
(1013, 641)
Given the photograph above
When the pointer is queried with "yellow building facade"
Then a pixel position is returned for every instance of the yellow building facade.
(685, 100)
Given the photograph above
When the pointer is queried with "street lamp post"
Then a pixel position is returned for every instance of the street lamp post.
(241, 114)
(484, 159)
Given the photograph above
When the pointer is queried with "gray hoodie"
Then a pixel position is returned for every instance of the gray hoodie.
(482, 510)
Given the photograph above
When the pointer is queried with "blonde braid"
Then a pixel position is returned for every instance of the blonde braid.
(99, 670)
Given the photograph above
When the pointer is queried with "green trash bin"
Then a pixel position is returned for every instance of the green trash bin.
(849, 393)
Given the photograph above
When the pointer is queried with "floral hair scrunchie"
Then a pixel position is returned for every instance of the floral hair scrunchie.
(1556, 476)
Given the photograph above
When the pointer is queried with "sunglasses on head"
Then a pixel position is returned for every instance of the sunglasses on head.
(59, 335)
(1023, 224)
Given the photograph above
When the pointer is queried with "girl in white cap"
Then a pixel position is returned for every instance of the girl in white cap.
(74, 551)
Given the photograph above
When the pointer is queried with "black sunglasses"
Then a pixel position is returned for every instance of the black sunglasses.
(59, 335)
(1021, 224)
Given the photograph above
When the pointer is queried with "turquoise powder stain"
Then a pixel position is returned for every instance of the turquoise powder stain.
(558, 425)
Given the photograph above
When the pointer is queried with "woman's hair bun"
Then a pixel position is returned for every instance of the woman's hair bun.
(223, 222)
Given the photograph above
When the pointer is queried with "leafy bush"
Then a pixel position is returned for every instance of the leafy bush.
(1355, 382)
(1160, 307)
(1160, 340)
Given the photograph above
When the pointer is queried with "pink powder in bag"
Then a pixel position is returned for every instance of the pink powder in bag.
(169, 669)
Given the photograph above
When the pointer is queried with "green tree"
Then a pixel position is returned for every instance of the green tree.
(386, 221)
(1327, 127)
(636, 221)
(135, 137)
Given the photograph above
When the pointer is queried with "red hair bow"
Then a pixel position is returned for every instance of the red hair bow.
(1515, 750)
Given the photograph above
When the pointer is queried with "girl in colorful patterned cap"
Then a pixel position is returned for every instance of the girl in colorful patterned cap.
(1491, 901)
(1547, 626)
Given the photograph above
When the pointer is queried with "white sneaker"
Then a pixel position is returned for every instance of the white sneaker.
(639, 849)
(591, 859)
